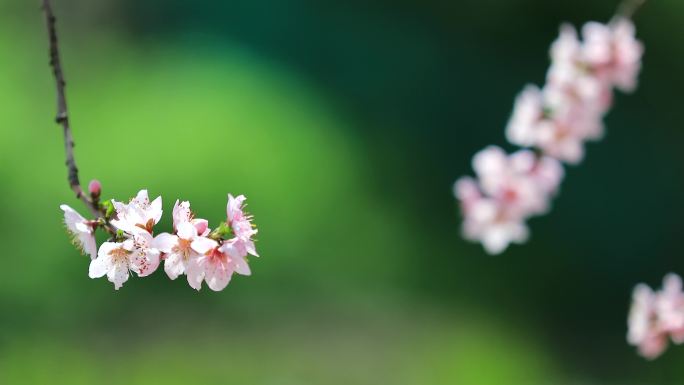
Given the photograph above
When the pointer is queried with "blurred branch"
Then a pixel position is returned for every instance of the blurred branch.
(62, 117)
(627, 8)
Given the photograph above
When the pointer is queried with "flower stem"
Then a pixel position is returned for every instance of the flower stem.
(62, 117)
(628, 8)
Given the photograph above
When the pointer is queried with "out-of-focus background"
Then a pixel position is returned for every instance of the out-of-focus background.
(345, 123)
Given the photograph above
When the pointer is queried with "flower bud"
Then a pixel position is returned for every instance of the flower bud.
(94, 188)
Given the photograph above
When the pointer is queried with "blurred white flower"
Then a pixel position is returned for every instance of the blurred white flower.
(656, 316)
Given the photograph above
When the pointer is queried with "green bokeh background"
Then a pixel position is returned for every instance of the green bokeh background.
(345, 122)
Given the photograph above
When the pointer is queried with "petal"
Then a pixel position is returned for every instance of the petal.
(186, 230)
(240, 265)
(142, 196)
(195, 272)
(128, 244)
(249, 245)
(202, 244)
(496, 239)
(234, 206)
(103, 263)
(118, 274)
(672, 283)
(234, 248)
(466, 190)
(120, 207)
(155, 211)
(71, 218)
(89, 244)
(490, 161)
(123, 225)
(217, 275)
(145, 262)
(181, 212)
(165, 242)
(174, 265)
(202, 226)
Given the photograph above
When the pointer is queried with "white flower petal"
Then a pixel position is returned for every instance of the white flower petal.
(195, 272)
(155, 210)
(174, 265)
(240, 265)
(217, 275)
(187, 230)
(165, 242)
(118, 274)
(202, 244)
(103, 263)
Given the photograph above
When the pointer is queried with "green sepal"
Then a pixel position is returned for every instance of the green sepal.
(223, 231)
(108, 207)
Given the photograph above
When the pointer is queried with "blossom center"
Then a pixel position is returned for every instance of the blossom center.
(119, 255)
(183, 248)
(217, 256)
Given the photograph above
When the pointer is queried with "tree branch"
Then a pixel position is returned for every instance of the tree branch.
(627, 8)
(62, 117)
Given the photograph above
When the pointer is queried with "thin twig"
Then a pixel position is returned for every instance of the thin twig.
(62, 117)
(627, 8)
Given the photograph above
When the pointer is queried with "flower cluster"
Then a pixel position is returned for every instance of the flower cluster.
(193, 249)
(656, 316)
(554, 122)
(508, 189)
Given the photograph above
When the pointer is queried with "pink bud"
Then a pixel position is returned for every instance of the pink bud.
(94, 188)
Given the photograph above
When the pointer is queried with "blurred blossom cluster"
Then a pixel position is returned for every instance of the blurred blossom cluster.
(553, 122)
(569, 109)
(508, 188)
(656, 317)
(193, 249)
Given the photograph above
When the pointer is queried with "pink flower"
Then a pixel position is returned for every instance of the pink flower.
(517, 180)
(237, 255)
(570, 108)
(528, 113)
(115, 259)
(509, 190)
(213, 267)
(241, 225)
(627, 53)
(188, 242)
(669, 306)
(82, 232)
(573, 73)
(549, 121)
(556, 120)
(180, 248)
(613, 53)
(488, 221)
(181, 213)
(216, 266)
(192, 248)
(216, 262)
(139, 214)
(655, 316)
(644, 331)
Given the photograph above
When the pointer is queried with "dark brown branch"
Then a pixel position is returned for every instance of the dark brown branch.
(62, 117)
